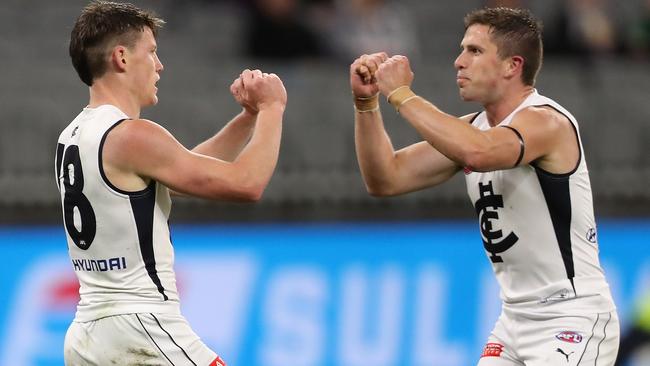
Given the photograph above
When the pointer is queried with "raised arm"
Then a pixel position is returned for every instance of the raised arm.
(233, 137)
(229, 142)
(387, 172)
(141, 148)
(546, 135)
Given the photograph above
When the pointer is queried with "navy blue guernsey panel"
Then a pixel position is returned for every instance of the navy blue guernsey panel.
(59, 161)
(143, 208)
(558, 199)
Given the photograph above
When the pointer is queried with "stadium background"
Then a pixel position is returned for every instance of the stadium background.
(318, 273)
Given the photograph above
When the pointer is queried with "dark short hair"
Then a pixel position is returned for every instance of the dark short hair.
(101, 26)
(516, 32)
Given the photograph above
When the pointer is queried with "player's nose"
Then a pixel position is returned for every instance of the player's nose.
(459, 62)
(159, 66)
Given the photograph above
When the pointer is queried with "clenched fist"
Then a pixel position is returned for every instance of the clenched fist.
(394, 73)
(256, 90)
(362, 74)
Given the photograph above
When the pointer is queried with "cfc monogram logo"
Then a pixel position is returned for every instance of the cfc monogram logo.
(486, 208)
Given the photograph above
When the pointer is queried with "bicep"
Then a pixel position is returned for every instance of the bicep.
(150, 151)
(189, 173)
(503, 149)
(529, 137)
(550, 139)
(540, 130)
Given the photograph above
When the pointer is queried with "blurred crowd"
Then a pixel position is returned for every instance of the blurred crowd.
(342, 29)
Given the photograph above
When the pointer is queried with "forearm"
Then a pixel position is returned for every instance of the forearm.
(375, 151)
(452, 136)
(228, 143)
(259, 158)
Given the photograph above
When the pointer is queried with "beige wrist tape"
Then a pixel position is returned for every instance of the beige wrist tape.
(366, 104)
(400, 96)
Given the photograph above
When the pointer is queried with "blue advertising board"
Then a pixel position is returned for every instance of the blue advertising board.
(312, 294)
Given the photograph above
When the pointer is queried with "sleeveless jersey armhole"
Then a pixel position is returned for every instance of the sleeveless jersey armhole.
(150, 186)
(575, 131)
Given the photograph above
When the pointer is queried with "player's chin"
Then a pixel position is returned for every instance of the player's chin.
(153, 101)
(466, 96)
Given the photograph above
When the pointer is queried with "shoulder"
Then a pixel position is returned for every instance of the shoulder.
(544, 122)
(541, 116)
(139, 126)
(469, 118)
(138, 139)
(133, 132)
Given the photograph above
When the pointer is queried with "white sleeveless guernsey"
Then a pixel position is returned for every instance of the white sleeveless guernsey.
(538, 228)
(118, 241)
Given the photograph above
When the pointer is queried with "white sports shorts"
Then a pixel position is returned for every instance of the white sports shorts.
(522, 338)
(136, 339)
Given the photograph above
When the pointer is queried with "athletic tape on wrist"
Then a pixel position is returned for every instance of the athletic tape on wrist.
(400, 96)
(366, 110)
(366, 104)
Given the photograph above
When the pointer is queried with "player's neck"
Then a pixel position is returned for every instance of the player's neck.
(501, 108)
(104, 92)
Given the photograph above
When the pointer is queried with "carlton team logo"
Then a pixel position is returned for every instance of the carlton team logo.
(486, 207)
(569, 337)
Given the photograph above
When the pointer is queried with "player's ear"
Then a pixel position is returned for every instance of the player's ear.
(514, 66)
(119, 57)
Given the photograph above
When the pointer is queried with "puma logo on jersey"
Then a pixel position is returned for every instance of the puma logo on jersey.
(74, 132)
(486, 208)
(564, 353)
(99, 265)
